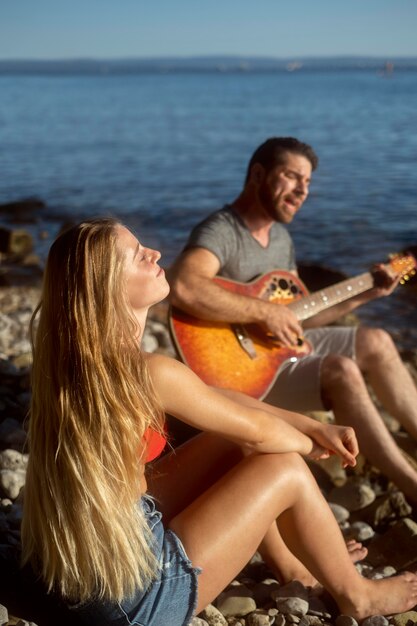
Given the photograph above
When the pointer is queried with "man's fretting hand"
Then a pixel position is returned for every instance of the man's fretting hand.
(384, 281)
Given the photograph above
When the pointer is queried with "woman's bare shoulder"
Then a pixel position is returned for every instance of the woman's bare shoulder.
(164, 368)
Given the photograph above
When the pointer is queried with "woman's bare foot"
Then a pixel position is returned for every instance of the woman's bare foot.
(381, 597)
(293, 569)
(357, 551)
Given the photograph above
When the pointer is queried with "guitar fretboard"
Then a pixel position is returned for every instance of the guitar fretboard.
(312, 304)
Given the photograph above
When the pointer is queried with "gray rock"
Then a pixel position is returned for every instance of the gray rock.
(4, 615)
(294, 589)
(13, 460)
(345, 620)
(280, 620)
(259, 618)
(375, 620)
(12, 482)
(340, 512)
(197, 621)
(397, 547)
(262, 591)
(212, 616)
(354, 495)
(361, 531)
(292, 606)
(237, 601)
(383, 572)
(405, 619)
(313, 620)
(317, 608)
(292, 619)
(149, 342)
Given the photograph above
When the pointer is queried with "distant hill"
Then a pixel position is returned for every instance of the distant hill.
(204, 64)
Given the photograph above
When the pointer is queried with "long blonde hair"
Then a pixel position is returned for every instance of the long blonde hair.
(92, 400)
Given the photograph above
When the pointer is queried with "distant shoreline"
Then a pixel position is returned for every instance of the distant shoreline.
(214, 64)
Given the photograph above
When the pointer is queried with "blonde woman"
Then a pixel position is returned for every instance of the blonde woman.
(118, 550)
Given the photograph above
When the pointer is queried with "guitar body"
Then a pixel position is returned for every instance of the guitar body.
(246, 358)
(213, 351)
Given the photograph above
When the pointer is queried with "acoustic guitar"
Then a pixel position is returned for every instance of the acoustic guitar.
(245, 357)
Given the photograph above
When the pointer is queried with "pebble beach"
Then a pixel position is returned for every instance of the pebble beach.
(367, 507)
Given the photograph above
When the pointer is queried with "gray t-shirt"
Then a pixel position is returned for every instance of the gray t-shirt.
(241, 257)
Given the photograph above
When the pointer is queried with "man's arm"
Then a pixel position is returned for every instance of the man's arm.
(194, 291)
(385, 284)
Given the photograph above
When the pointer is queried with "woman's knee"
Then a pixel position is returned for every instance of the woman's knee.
(282, 471)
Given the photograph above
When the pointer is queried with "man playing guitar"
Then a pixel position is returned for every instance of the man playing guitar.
(248, 238)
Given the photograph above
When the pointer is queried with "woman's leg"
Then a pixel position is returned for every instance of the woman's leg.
(179, 477)
(223, 527)
(286, 567)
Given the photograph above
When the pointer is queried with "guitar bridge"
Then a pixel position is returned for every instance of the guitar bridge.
(244, 340)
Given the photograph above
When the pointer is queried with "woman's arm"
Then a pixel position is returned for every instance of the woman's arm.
(185, 396)
(340, 440)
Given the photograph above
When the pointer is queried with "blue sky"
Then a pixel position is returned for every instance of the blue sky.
(40, 29)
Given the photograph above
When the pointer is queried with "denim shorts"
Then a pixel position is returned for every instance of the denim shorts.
(170, 599)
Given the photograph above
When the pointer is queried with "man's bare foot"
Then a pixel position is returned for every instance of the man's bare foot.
(381, 597)
(293, 569)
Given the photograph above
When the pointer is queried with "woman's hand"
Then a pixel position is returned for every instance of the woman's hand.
(331, 439)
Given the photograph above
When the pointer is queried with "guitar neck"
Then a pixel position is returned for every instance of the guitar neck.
(311, 305)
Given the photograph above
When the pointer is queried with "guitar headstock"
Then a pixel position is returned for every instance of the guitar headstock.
(403, 265)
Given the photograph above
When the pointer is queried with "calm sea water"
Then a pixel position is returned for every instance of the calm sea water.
(161, 151)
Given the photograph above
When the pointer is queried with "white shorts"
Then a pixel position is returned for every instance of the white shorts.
(298, 385)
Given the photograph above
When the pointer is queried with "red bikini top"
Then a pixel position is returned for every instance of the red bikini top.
(154, 442)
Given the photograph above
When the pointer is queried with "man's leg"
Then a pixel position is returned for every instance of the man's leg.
(379, 361)
(331, 378)
(345, 392)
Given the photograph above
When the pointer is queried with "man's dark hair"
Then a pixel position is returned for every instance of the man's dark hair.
(272, 153)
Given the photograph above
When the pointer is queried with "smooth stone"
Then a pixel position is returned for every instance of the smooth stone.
(397, 547)
(383, 572)
(213, 617)
(340, 512)
(13, 460)
(149, 342)
(24, 360)
(292, 606)
(262, 591)
(197, 621)
(354, 495)
(375, 620)
(361, 531)
(346, 620)
(386, 508)
(11, 482)
(4, 615)
(280, 620)
(318, 608)
(259, 618)
(313, 620)
(236, 601)
(405, 619)
(293, 589)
